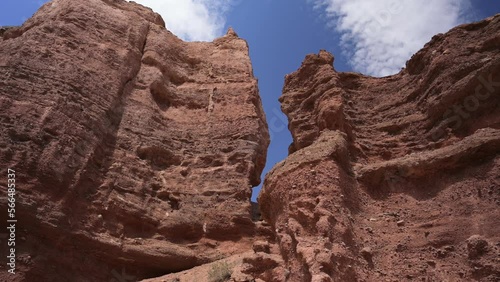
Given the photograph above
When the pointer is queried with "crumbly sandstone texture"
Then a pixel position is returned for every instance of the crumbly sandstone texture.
(135, 152)
(388, 179)
(394, 178)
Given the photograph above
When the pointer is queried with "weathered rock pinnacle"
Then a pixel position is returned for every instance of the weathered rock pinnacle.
(104, 118)
(231, 32)
(388, 177)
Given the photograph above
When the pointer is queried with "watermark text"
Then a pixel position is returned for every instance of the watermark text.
(11, 220)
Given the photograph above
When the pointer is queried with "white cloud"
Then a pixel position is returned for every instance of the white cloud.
(380, 36)
(192, 20)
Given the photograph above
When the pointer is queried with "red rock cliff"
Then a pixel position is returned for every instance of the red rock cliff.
(394, 178)
(134, 152)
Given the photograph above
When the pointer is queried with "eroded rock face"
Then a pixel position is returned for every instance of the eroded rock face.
(134, 152)
(393, 178)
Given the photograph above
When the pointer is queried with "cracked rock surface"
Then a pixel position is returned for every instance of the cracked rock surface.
(134, 151)
(135, 154)
(393, 178)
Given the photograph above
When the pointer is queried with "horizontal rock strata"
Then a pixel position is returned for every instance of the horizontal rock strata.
(134, 151)
(393, 178)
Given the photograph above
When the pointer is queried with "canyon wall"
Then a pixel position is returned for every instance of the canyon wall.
(394, 178)
(135, 153)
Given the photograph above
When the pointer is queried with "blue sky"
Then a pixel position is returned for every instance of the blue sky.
(374, 37)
